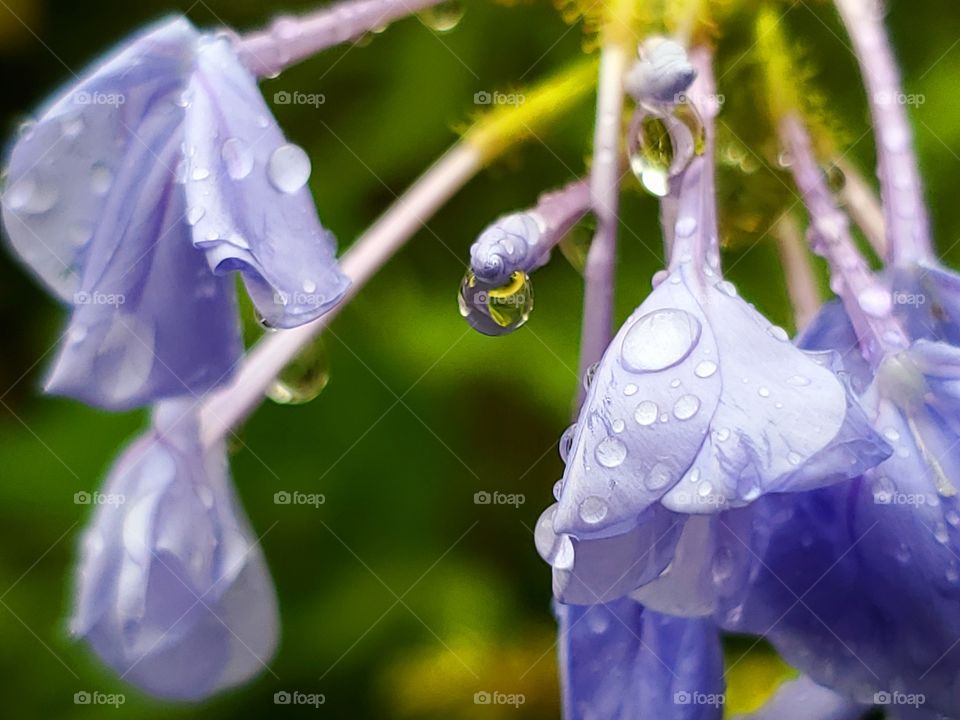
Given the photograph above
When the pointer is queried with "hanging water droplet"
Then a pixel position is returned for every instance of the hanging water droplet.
(611, 452)
(646, 413)
(304, 378)
(496, 310)
(836, 179)
(566, 443)
(237, 158)
(659, 340)
(651, 156)
(589, 375)
(442, 17)
(705, 369)
(557, 490)
(686, 407)
(593, 510)
(288, 168)
(779, 333)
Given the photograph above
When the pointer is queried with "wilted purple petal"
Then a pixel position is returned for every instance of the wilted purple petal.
(172, 588)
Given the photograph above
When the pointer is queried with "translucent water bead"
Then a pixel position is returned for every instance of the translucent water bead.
(494, 310)
(304, 378)
(662, 144)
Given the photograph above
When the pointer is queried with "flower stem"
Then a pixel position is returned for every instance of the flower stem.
(864, 206)
(868, 303)
(798, 270)
(904, 211)
(604, 198)
(289, 40)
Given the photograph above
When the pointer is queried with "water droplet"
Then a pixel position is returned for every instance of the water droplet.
(72, 127)
(288, 168)
(722, 564)
(686, 407)
(686, 227)
(28, 196)
(199, 174)
(661, 146)
(630, 389)
(793, 458)
(953, 518)
(705, 369)
(576, 243)
(875, 301)
(443, 17)
(566, 443)
(304, 378)
(705, 489)
(309, 286)
(593, 510)
(237, 158)
(658, 478)
(195, 215)
(659, 340)
(891, 434)
(496, 310)
(646, 413)
(836, 178)
(723, 435)
(798, 381)
(101, 178)
(611, 452)
(763, 392)
(557, 490)
(589, 375)
(618, 425)
(727, 288)
(779, 333)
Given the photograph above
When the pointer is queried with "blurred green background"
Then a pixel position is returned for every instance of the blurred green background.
(401, 598)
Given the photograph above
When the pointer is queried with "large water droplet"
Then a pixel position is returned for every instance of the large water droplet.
(593, 510)
(304, 378)
(494, 310)
(661, 146)
(237, 158)
(444, 16)
(288, 168)
(611, 452)
(576, 243)
(646, 413)
(659, 340)
(686, 407)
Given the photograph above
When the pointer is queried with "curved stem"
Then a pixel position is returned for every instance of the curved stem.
(798, 270)
(604, 197)
(864, 206)
(904, 211)
(290, 40)
(230, 405)
(868, 303)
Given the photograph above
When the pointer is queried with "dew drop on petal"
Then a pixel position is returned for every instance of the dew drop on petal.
(727, 288)
(659, 340)
(658, 478)
(798, 380)
(779, 333)
(875, 301)
(557, 490)
(593, 510)
(237, 158)
(705, 369)
(195, 215)
(496, 310)
(686, 407)
(565, 444)
(723, 435)
(101, 178)
(630, 389)
(288, 168)
(611, 452)
(763, 392)
(646, 413)
(891, 434)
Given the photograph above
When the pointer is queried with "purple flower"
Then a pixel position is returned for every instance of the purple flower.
(172, 588)
(803, 699)
(138, 188)
(620, 662)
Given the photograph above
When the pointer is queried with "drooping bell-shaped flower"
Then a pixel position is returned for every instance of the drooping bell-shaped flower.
(699, 405)
(172, 588)
(620, 661)
(136, 190)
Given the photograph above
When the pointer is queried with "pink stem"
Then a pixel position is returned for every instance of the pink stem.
(227, 407)
(798, 270)
(868, 303)
(864, 207)
(904, 211)
(290, 40)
